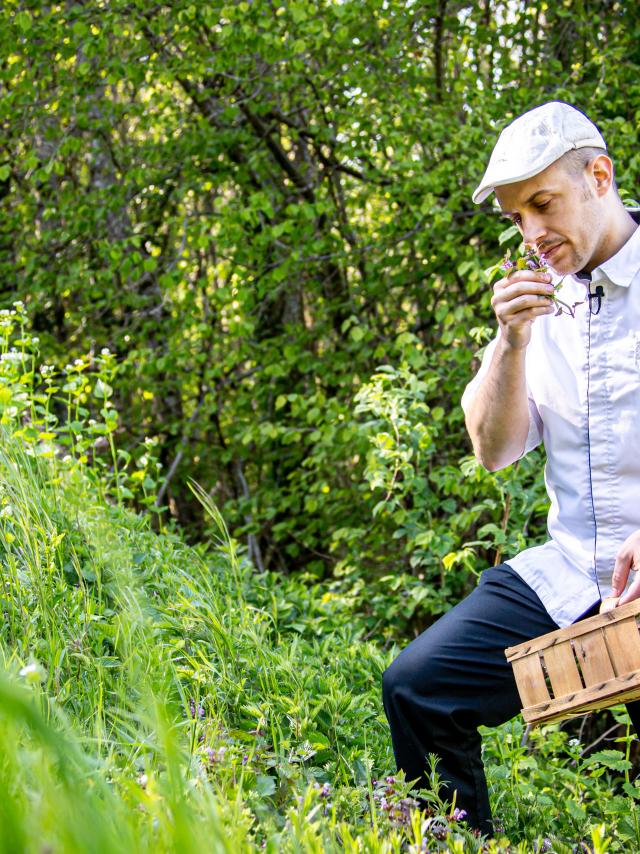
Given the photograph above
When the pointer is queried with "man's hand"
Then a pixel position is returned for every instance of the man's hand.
(517, 300)
(628, 558)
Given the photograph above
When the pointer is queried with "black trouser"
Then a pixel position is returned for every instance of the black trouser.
(454, 678)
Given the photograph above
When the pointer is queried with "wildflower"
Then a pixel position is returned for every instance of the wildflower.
(325, 791)
(391, 780)
(538, 264)
(105, 351)
(440, 832)
(196, 710)
(458, 814)
(33, 673)
(143, 779)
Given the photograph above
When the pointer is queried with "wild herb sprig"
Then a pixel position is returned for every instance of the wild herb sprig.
(538, 264)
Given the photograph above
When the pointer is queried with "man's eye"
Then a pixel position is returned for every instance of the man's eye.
(542, 205)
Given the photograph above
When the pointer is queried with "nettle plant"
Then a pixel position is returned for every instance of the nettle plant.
(67, 416)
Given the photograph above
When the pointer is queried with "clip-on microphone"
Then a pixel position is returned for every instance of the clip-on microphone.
(599, 293)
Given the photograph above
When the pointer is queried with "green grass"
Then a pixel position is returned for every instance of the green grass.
(160, 697)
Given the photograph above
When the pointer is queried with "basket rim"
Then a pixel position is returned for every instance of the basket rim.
(542, 642)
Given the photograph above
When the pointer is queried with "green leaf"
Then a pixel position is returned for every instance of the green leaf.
(265, 785)
(613, 759)
(102, 390)
(507, 234)
(23, 20)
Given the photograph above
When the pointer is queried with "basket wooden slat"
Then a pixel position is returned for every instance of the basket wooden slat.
(563, 671)
(530, 679)
(592, 664)
(623, 641)
(593, 657)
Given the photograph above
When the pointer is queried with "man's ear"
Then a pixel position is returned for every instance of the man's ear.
(600, 171)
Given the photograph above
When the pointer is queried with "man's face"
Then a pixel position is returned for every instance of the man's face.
(558, 214)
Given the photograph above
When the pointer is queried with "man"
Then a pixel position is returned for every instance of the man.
(572, 381)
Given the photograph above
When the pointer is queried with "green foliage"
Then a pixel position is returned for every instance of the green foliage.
(253, 207)
(219, 221)
(51, 412)
(161, 697)
(447, 541)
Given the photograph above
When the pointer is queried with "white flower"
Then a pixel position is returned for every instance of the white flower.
(33, 673)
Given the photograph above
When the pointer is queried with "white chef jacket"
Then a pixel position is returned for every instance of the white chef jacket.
(583, 386)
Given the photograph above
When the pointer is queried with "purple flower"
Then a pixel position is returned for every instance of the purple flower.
(458, 814)
(507, 264)
(215, 755)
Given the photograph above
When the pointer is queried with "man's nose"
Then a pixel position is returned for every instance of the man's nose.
(533, 230)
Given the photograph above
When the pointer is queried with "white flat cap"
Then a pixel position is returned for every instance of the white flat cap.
(534, 141)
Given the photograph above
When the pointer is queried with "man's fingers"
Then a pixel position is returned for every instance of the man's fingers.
(621, 569)
(520, 303)
(518, 289)
(633, 592)
(527, 276)
(518, 309)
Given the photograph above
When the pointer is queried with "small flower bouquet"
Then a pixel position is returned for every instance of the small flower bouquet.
(538, 264)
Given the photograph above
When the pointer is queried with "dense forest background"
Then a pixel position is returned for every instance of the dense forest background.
(263, 212)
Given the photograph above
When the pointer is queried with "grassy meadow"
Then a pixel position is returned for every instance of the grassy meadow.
(159, 696)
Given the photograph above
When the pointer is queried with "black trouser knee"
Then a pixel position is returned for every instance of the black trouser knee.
(454, 678)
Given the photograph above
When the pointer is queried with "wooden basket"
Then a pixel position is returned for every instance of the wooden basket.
(592, 664)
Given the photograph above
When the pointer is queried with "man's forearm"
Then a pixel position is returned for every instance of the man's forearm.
(498, 416)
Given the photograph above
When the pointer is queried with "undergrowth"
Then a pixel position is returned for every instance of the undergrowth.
(156, 696)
